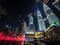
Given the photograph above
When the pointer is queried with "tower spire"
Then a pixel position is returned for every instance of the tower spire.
(41, 23)
(49, 14)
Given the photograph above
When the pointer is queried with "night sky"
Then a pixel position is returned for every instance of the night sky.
(22, 7)
(16, 10)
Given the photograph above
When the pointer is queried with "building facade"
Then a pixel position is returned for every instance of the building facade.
(41, 23)
(57, 4)
(49, 14)
(31, 27)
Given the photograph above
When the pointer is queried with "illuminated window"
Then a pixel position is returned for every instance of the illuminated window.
(41, 25)
(48, 11)
(52, 19)
(38, 13)
(39, 17)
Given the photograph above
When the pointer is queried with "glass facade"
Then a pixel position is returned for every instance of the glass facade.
(50, 15)
(48, 12)
(31, 26)
(57, 4)
(41, 23)
(30, 19)
(30, 29)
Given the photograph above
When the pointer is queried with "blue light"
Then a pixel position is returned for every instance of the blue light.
(29, 39)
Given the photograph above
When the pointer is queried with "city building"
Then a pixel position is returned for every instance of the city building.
(30, 19)
(31, 23)
(54, 5)
(30, 30)
(50, 14)
(41, 23)
(57, 4)
(23, 26)
(31, 26)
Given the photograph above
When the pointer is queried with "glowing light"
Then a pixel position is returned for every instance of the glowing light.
(29, 39)
(7, 26)
(3, 37)
(55, 24)
(22, 43)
